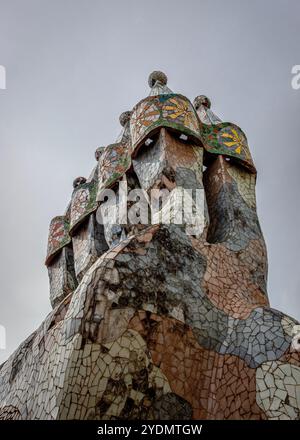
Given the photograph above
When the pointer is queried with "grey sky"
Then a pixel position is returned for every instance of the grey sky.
(73, 66)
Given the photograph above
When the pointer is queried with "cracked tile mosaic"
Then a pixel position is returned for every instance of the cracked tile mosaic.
(151, 321)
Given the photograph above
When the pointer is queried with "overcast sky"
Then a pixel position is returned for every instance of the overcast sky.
(74, 65)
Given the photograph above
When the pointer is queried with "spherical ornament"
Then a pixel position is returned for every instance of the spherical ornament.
(78, 181)
(99, 152)
(124, 118)
(201, 100)
(157, 76)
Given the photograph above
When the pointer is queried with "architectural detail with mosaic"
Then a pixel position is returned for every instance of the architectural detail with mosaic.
(158, 321)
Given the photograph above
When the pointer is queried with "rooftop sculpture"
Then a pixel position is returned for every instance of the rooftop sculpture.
(153, 321)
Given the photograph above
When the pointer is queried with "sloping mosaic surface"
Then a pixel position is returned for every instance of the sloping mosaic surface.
(156, 350)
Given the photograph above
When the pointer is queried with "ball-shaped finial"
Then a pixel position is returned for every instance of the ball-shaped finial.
(78, 181)
(124, 118)
(157, 76)
(98, 153)
(201, 100)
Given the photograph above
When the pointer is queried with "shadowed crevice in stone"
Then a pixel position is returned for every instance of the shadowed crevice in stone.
(233, 222)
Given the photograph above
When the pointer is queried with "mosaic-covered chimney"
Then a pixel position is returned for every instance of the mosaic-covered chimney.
(159, 320)
(165, 143)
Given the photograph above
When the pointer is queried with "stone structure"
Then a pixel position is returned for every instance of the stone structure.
(149, 321)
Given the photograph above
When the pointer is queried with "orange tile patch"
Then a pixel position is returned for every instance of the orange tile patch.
(210, 382)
